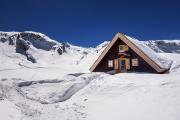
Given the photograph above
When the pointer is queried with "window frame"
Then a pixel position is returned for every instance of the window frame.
(122, 46)
(135, 62)
(110, 63)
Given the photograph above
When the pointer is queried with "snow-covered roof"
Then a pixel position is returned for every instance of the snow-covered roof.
(156, 61)
(160, 60)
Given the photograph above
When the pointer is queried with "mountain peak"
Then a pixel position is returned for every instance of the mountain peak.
(28, 43)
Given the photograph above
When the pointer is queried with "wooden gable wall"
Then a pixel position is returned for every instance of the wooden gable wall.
(113, 54)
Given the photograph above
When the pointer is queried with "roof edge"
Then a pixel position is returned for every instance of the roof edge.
(104, 52)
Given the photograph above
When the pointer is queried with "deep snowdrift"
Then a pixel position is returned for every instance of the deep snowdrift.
(56, 90)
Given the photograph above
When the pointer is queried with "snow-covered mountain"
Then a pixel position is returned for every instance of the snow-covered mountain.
(34, 45)
(168, 46)
(42, 79)
(30, 44)
(37, 46)
(36, 50)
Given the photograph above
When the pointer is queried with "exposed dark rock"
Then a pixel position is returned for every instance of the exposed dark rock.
(11, 41)
(66, 45)
(85, 52)
(3, 40)
(30, 57)
(60, 51)
(22, 44)
(164, 46)
(23, 41)
(38, 41)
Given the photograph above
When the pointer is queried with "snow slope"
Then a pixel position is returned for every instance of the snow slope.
(126, 96)
(60, 87)
(72, 60)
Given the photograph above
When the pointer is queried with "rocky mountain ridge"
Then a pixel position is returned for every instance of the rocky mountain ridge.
(32, 44)
(28, 42)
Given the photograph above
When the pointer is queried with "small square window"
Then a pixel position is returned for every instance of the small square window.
(135, 62)
(110, 63)
(123, 48)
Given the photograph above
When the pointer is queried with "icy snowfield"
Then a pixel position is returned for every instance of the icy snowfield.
(60, 87)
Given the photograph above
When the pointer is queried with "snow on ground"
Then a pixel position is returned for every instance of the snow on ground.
(60, 87)
(96, 96)
(133, 97)
(50, 65)
(9, 111)
(56, 90)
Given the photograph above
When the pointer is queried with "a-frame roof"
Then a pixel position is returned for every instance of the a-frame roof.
(155, 61)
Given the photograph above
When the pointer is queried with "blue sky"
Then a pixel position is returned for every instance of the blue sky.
(90, 22)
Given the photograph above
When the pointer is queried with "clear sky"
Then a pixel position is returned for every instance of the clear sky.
(90, 22)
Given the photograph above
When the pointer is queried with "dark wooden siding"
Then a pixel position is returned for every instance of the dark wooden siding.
(113, 54)
(143, 65)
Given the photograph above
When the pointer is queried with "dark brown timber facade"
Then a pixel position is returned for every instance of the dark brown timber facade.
(121, 55)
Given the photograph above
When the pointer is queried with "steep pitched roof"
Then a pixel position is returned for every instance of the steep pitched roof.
(153, 59)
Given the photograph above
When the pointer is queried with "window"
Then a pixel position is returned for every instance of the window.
(123, 48)
(135, 62)
(110, 63)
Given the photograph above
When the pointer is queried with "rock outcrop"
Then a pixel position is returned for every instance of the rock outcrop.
(25, 41)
